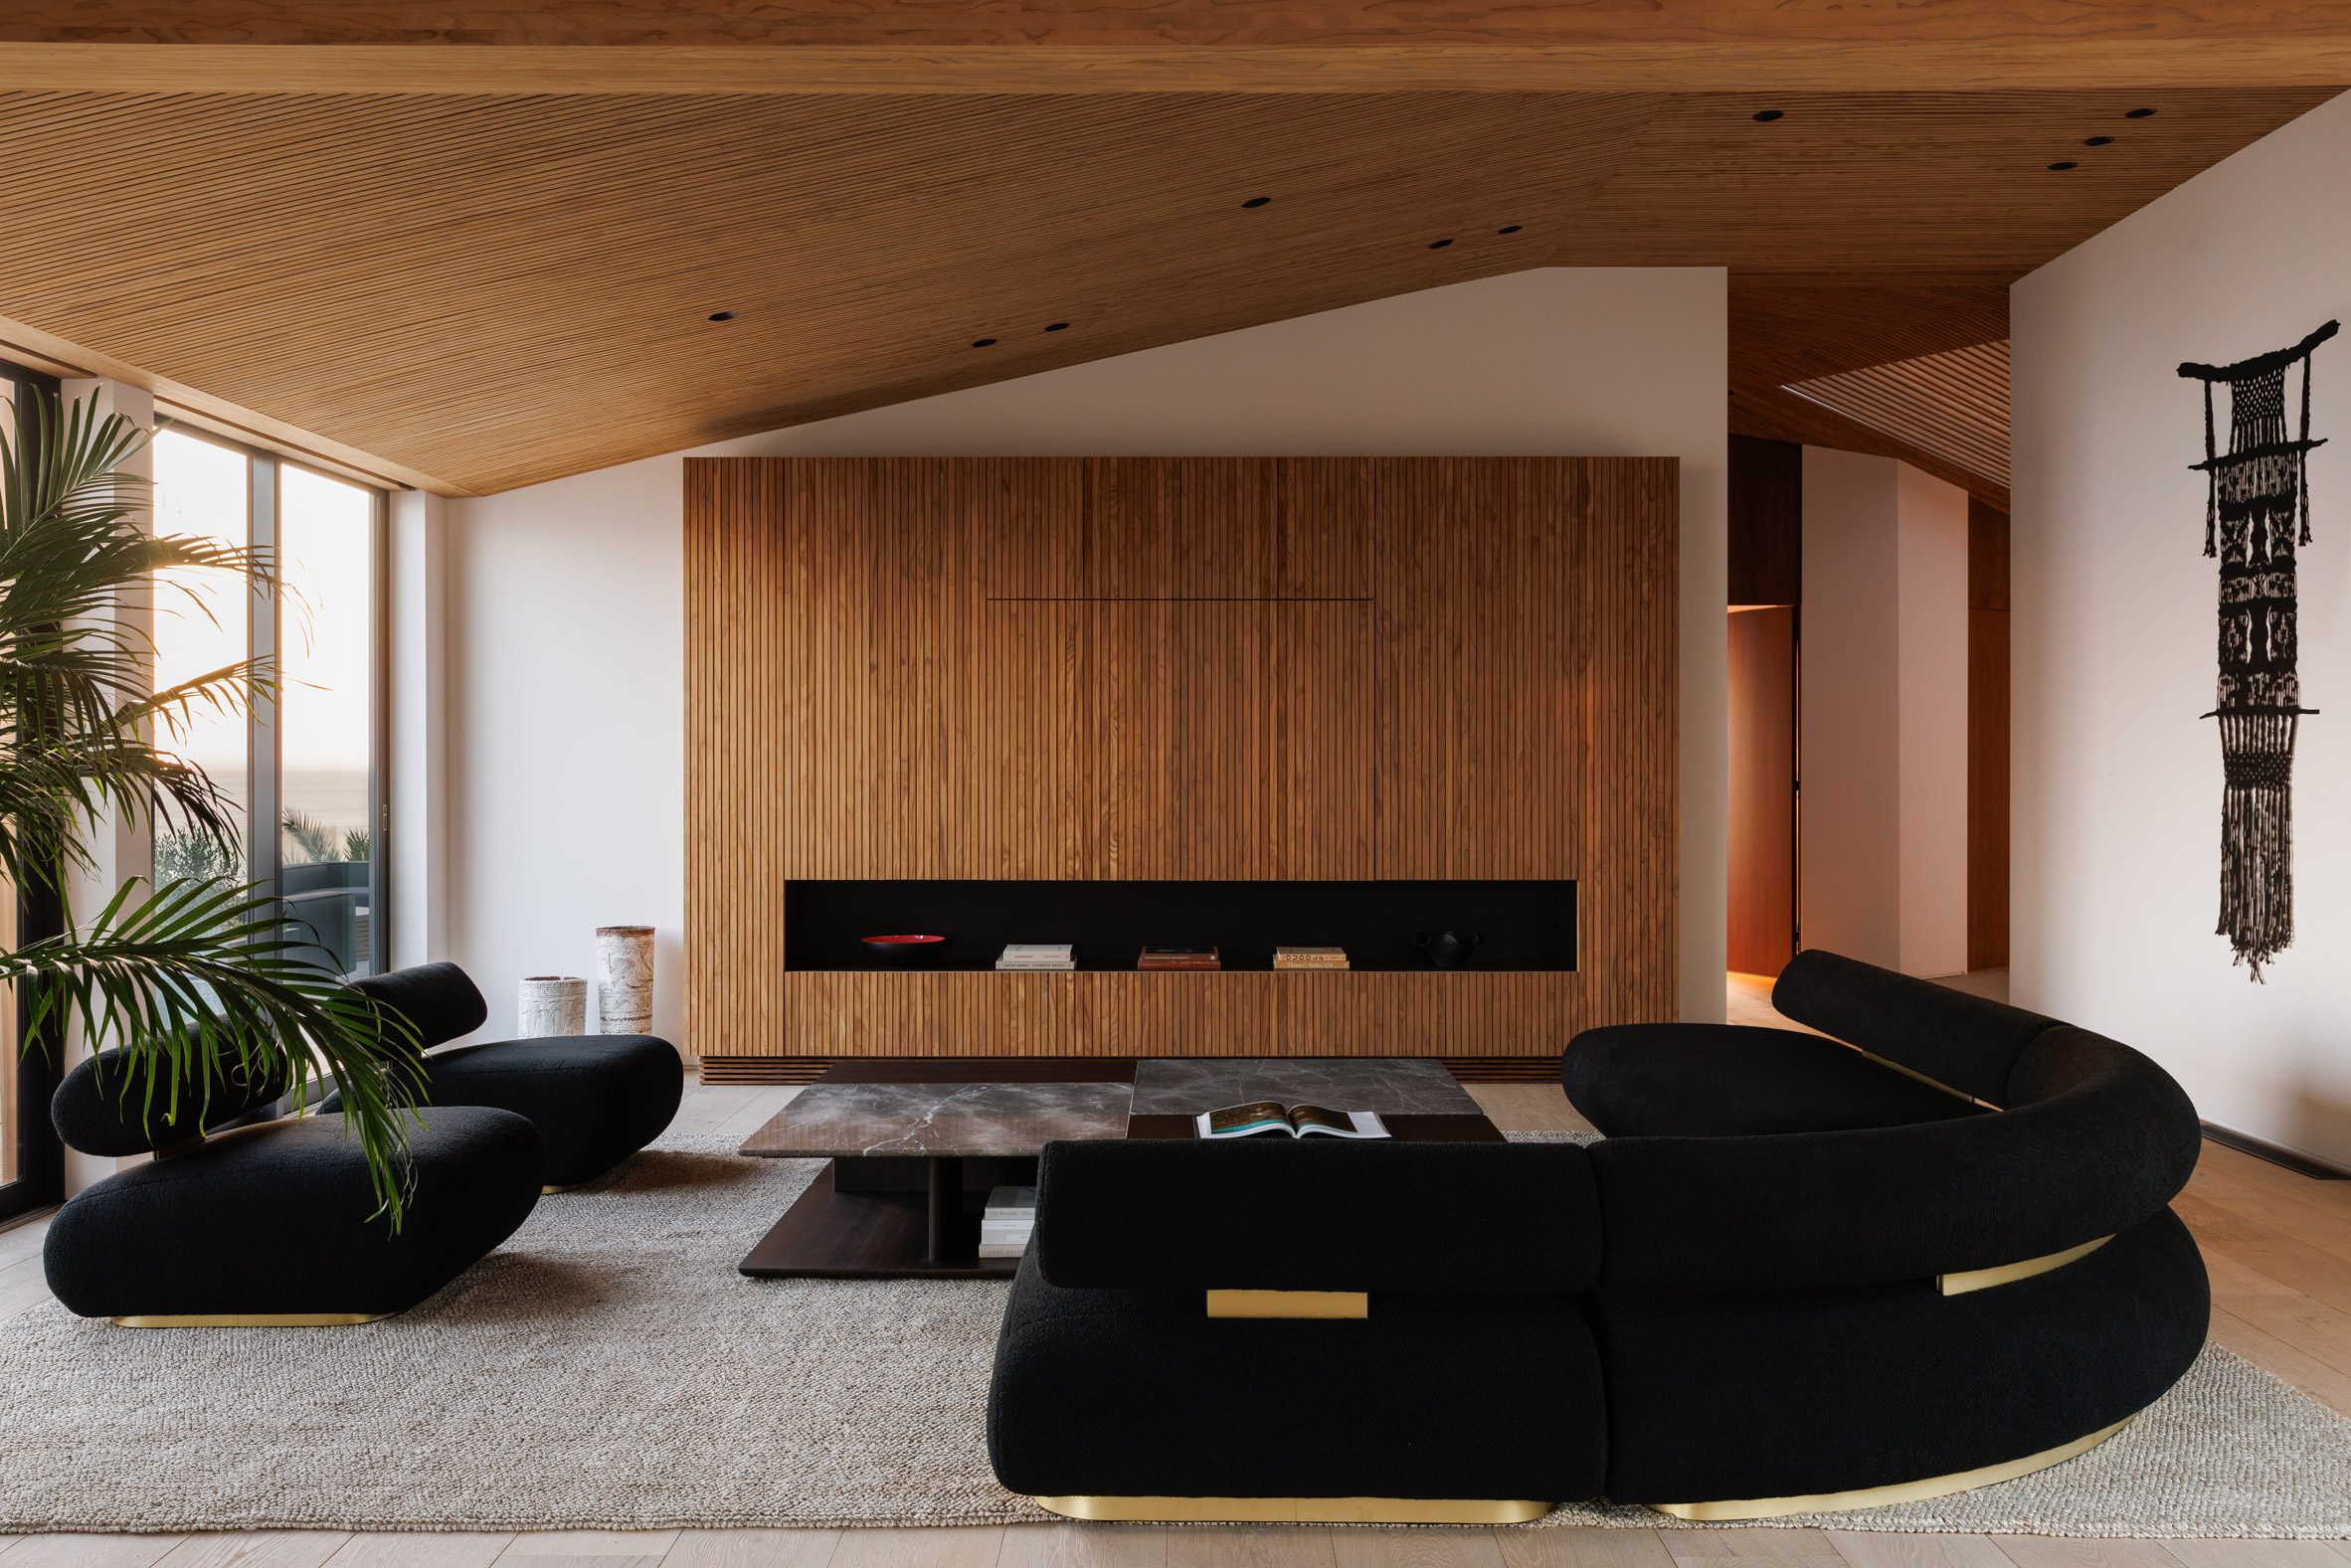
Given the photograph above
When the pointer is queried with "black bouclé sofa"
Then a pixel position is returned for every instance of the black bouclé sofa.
(1795, 1275)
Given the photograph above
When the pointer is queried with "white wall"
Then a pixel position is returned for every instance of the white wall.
(1848, 828)
(417, 693)
(565, 614)
(1931, 589)
(1883, 714)
(2117, 782)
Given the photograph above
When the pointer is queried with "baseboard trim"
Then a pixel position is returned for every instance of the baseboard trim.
(764, 1069)
(2294, 1160)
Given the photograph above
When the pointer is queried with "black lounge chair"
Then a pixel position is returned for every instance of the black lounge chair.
(596, 1099)
(275, 1223)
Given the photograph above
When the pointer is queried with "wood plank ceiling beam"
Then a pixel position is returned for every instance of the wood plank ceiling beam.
(50, 64)
(732, 47)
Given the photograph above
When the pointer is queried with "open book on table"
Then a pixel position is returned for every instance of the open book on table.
(1271, 1116)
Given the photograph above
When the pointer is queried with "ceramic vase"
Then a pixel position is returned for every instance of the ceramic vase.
(551, 1004)
(624, 980)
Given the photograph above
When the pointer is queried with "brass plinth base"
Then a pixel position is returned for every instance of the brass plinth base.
(1289, 1304)
(550, 1191)
(2010, 1273)
(247, 1320)
(1899, 1492)
(1299, 1510)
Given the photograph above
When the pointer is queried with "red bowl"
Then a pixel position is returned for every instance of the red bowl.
(902, 947)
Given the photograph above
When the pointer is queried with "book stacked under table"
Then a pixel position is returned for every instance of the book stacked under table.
(1038, 955)
(1179, 959)
(1010, 1217)
(1310, 958)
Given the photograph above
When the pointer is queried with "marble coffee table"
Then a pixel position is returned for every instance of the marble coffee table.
(913, 1145)
(911, 1167)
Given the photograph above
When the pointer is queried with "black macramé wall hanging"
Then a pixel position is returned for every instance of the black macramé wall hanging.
(2257, 513)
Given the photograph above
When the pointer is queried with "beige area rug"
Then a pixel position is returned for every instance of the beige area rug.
(608, 1368)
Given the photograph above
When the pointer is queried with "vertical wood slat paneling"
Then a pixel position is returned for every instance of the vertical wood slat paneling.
(1189, 668)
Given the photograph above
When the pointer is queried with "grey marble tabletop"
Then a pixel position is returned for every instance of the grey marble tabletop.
(1171, 1085)
(829, 1120)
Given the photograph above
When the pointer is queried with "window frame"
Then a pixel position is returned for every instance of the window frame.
(40, 1154)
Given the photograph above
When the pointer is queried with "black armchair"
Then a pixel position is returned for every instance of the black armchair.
(273, 1223)
(595, 1099)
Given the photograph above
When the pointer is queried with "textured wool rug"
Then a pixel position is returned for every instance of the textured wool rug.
(608, 1368)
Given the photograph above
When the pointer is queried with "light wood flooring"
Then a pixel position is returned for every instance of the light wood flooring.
(2278, 1246)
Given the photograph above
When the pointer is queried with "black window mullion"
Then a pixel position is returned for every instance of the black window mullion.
(40, 912)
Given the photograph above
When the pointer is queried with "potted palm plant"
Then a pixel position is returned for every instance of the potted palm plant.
(196, 977)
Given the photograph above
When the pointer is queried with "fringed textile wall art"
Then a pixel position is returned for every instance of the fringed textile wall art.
(2257, 515)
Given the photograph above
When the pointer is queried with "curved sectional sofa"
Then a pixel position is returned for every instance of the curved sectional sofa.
(1795, 1275)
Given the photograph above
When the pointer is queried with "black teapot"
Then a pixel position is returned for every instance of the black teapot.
(1450, 949)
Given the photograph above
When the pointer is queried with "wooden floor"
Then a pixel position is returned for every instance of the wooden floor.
(2278, 1246)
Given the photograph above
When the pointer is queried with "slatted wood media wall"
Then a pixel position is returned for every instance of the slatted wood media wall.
(1213, 668)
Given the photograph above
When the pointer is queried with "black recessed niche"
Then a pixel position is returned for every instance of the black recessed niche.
(1510, 228)
(1258, 200)
(1438, 245)
(2098, 141)
(1768, 115)
(1525, 924)
(983, 342)
(1056, 326)
(2136, 113)
(721, 315)
(2063, 164)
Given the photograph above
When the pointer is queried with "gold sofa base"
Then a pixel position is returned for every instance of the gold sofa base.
(247, 1320)
(1300, 1511)
(1897, 1491)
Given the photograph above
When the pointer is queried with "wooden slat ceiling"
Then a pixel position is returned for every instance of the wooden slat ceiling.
(1954, 404)
(485, 292)
(1785, 330)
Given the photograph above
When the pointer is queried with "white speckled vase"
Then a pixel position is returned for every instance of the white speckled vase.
(551, 1004)
(624, 979)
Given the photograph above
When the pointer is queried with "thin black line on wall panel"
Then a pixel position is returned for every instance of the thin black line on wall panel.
(1180, 598)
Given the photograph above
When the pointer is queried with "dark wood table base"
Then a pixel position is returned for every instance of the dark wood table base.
(863, 1220)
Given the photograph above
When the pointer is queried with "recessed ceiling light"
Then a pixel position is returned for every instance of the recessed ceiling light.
(2136, 113)
(1510, 228)
(1056, 326)
(722, 315)
(1258, 200)
(2064, 163)
(1438, 245)
(983, 342)
(1768, 115)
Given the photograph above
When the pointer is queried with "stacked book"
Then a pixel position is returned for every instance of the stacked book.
(1179, 959)
(1010, 1217)
(1037, 955)
(1310, 958)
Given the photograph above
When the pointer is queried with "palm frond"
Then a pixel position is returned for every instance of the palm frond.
(201, 984)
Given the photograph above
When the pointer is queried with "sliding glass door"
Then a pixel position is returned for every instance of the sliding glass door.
(328, 800)
(304, 763)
